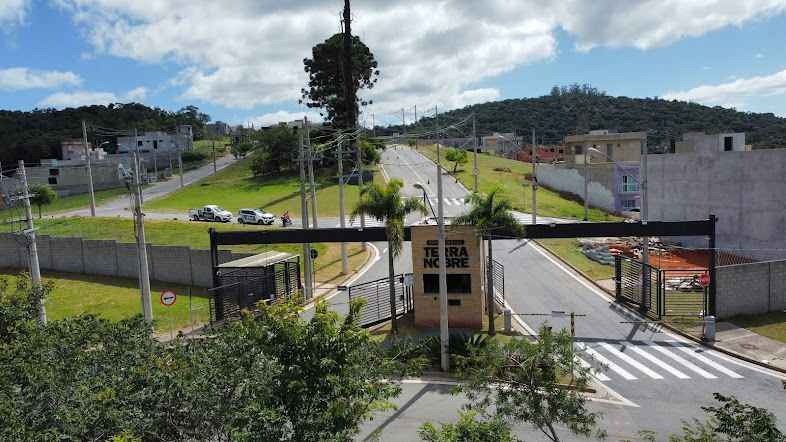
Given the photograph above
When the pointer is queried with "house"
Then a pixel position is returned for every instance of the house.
(613, 146)
(500, 143)
(546, 154)
(158, 142)
(700, 142)
(74, 149)
(217, 129)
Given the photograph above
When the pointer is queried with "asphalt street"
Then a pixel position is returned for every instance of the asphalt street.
(655, 379)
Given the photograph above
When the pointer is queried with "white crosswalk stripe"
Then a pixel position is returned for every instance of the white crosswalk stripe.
(369, 222)
(632, 362)
(615, 360)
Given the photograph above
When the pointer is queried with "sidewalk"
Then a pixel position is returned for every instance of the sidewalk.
(732, 338)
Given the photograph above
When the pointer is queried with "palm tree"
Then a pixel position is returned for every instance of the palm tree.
(490, 215)
(384, 203)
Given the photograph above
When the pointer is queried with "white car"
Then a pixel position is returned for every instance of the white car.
(255, 216)
(211, 212)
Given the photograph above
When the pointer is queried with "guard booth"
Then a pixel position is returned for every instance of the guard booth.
(242, 283)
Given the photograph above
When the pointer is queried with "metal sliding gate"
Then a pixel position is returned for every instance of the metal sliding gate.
(498, 272)
(376, 294)
(659, 293)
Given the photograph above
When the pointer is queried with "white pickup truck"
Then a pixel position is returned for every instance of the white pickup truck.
(211, 212)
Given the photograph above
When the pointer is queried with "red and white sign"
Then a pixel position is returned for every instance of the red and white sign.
(168, 298)
(704, 280)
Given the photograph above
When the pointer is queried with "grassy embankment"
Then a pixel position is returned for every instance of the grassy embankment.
(235, 187)
(66, 204)
(508, 176)
(771, 325)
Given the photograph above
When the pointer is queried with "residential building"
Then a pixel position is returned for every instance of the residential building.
(74, 149)
(70, 177)
(624, 146)
(157, 141)
(217, 129)
(700, 142)
(546, 154)
(505, 144)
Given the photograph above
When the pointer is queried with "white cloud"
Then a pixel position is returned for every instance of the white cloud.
(62, 100)
(430, 52)
(13, 12)
(738, 93)
(16, 79)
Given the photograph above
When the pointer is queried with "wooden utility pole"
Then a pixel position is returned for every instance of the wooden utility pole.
(89, 170)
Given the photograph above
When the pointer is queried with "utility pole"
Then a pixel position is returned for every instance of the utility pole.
(475, 169)
(373, 126)
(311, 176)
(444, 336)
(342, 222)
(89, 170)
(416, 115)
(144, 271)
(534, 180)
(586, 182)
(359, 154)
(32, 246)
(645, 247)
(215, 168)
(304, 218)
(180, 165)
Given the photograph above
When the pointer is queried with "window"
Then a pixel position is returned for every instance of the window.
(457, 283)
(728, 144)
(672, 145)
(139, 143)
(53, 180)
(578, 149)
(610, 151)
(155, 144)
(628, 204)
(54, 172)
(629, 184)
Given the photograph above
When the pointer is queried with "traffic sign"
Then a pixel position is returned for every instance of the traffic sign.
(314, 253)
(704, 280)
(168, 298)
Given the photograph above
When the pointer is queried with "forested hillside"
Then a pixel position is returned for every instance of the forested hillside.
(576, 108)
(37, 134)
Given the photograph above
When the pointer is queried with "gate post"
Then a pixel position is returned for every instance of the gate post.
(712, 288)
(617, 277)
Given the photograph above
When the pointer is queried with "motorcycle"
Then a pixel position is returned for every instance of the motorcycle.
(286, 221)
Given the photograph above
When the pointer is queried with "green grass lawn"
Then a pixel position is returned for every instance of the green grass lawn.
(771, 325)
(68, 203)
(235, 187)
(509, 178)
(118, 298)
(569, 249)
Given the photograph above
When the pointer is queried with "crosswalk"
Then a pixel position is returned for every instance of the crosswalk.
(450, 201)
(633, 360)
(368, 222)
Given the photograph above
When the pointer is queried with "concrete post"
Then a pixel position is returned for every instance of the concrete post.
(508, 314)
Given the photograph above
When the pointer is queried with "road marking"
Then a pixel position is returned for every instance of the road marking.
(632, 362)
(457, 202)
(659, 363)
(711, 363)
(447, 201)
(603, 360)
(597, 374)
(690, 365)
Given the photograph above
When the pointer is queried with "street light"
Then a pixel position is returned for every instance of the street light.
(443, 277)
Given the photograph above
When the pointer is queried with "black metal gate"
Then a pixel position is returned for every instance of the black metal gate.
(659, 293)
(376, 293)
(499, 282)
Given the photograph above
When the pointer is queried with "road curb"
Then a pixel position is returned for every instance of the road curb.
(666, 325)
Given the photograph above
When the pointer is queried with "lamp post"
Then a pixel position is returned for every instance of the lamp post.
(443, 289)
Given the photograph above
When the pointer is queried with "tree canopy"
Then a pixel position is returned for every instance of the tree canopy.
(37, 134)
(578, 108)
(326, 83)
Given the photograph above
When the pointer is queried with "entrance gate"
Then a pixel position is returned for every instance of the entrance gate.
(665, 293)
(376, 308)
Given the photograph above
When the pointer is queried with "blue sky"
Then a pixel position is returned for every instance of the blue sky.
(246, 64)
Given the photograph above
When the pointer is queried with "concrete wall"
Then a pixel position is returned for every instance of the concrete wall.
(751, 288)
(744, 189)
(571, 180)
(180, 265)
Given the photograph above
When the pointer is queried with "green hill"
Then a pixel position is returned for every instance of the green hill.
(577, 109)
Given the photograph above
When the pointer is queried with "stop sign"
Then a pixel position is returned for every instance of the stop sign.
(704, 280)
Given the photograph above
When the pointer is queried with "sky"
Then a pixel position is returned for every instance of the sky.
(241, 61)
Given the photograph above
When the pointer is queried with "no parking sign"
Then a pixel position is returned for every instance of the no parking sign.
(168, 298)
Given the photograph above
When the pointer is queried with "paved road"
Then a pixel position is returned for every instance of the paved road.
(120, 206)
(657, 379)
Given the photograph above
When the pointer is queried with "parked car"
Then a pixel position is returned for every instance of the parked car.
(255, 216)
(211, 212)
